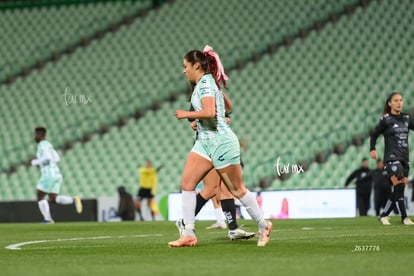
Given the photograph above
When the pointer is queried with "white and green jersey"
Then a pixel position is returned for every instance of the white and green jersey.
(206, 87)
(47, 159)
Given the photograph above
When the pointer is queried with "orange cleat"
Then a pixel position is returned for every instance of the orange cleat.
(264, 235)
(184, 241)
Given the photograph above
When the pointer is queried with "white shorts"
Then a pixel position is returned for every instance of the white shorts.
(50, 184)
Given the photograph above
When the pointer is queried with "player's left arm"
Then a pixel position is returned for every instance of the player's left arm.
(227, 103)
(55, 156)
(154, 184)
(191, 109)
(350, 178)
(411, 123)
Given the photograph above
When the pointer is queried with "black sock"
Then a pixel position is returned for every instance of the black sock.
(229, 210)
(140, 214)
(200, 202)
(389, 206)
(399, 199)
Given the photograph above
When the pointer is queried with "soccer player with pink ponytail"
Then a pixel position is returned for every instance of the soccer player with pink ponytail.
(216, 147)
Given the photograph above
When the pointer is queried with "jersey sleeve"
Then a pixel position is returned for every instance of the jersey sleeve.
(411, 123)
(379, 129)
(206, 89)
(351, 177)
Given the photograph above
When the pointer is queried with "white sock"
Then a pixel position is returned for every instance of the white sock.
(219, 214)
(250, 203)
(188, 207)
(44, 209)
(62, 199)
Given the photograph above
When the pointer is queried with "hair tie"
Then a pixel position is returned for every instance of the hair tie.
(220, 69)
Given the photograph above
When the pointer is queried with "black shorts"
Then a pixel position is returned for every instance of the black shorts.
(144, 193)
(397, 168)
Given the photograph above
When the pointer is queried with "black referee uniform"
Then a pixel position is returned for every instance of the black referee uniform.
(363, 187)
(382, 189)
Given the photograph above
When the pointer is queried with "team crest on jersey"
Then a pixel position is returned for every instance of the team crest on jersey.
(385, 117)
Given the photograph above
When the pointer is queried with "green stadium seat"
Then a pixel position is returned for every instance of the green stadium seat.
(283, 102)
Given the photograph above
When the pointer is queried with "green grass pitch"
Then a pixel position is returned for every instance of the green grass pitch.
(358, 246)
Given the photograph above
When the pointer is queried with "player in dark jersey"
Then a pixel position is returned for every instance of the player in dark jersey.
(394, 125)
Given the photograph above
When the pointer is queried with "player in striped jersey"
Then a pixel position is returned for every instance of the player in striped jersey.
(51, 178)
(222, 199)
(216, 147)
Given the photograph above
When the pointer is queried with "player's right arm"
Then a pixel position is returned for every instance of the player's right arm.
(351, 177)
(379, 129)
(48, 154)
(44, 158)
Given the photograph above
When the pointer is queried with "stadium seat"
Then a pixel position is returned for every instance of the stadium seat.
(292, 101)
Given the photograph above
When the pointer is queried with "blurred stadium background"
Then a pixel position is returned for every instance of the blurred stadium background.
(308, 79)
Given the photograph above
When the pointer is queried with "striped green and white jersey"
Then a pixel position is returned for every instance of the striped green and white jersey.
(209, 128)
(47, 159)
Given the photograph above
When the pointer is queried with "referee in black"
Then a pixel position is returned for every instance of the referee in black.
(382, 187)
(363, 186)
(394, 125)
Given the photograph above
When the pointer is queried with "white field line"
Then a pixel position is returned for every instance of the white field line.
(17, 246)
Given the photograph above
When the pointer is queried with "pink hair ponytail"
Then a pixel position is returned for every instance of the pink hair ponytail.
(219, 74)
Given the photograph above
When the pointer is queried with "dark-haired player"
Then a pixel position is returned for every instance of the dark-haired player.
(217, 147)
(394, 126)
(51, 178)
(223, 200)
